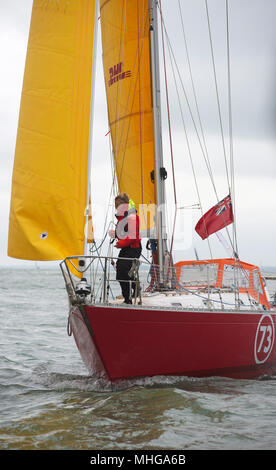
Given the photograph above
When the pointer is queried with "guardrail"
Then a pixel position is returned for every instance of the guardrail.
(93, 279)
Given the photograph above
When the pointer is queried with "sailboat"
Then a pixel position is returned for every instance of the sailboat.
(194, 318)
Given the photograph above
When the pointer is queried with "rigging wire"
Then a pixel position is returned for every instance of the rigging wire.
(119, 89)
(118, 143)
(206, 154)
(170, 133)
(132, 89)
(188, 105)
(217, 93)
(128, 121)
(113, 191)
(187, 139)
(139, 93)
(231, 131)
(230, 181)
(173, 67)
(120, 139)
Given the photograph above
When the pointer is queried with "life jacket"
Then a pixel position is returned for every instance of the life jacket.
(127, 228)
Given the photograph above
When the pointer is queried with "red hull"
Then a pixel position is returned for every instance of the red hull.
(135, 342)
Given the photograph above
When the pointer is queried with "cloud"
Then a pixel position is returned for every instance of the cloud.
(252, 49)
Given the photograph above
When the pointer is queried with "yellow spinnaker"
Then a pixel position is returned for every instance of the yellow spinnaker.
(49, 187)
(126, 58)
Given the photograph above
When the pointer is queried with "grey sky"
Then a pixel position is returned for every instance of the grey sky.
(253, 74)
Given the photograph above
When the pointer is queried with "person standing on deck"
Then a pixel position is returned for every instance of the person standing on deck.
(128, 241)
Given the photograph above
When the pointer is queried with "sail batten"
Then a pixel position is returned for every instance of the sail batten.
(50, 175)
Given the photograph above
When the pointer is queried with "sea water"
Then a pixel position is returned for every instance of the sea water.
(48, 400)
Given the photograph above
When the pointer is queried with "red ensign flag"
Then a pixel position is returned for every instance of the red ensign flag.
(216, 218)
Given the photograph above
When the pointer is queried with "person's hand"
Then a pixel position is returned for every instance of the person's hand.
(119, 244)
(111, 233)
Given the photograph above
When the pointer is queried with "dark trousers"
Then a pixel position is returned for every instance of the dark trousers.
(123, 267)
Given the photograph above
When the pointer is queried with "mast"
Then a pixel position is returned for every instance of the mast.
(92, 101)
(159, 170)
